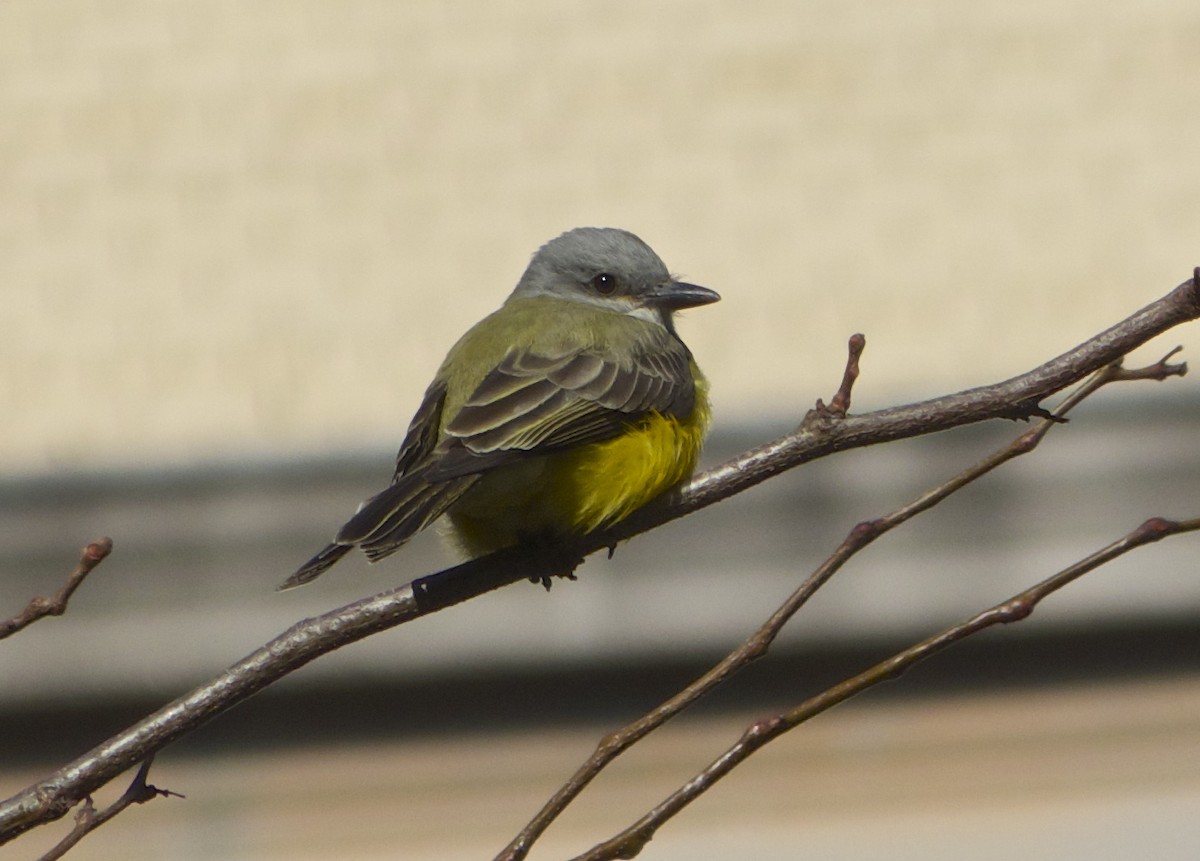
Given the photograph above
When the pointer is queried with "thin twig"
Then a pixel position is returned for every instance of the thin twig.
(88, 819)
(756, 646)
(40, 606)
(1158, 372)
(305, 641)
(629, 842)
(840, 405)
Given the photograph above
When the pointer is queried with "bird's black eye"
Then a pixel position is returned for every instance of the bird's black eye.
(604, 283)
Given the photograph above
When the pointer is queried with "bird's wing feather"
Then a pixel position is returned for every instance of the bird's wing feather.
(533, 403)
(422, 436)
(315, 567)
(400, 511)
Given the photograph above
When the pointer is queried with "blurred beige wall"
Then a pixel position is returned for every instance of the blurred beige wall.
(253, 229)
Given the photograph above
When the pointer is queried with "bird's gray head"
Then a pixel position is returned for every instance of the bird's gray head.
(612, 269)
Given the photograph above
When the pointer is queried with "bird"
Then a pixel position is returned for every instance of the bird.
(563, 412)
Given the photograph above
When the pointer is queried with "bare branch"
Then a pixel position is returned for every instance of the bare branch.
(50, 798)
(630, 841)
(40, 606)
(756, 646)
(88, 819)
(1014, 398)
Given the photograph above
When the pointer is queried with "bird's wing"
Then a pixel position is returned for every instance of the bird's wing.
(422, 436)
(534, 404)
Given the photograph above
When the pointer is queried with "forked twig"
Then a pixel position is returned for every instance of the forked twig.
(88, 819)
(616, 743)
(629, 842)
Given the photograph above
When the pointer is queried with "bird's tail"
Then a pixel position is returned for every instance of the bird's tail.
(315, 567)
(386, 521)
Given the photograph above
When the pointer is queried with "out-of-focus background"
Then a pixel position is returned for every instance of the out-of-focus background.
(236, 240)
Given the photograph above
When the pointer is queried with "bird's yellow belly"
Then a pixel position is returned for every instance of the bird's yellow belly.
(582, 489)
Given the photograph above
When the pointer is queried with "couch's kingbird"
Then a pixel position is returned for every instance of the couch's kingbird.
(564, 411)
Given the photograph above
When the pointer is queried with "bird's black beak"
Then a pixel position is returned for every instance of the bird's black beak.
(676, 295)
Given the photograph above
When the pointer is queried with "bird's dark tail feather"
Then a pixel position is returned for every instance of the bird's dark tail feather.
(401, 526)
(385, 522)
(315, 567)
